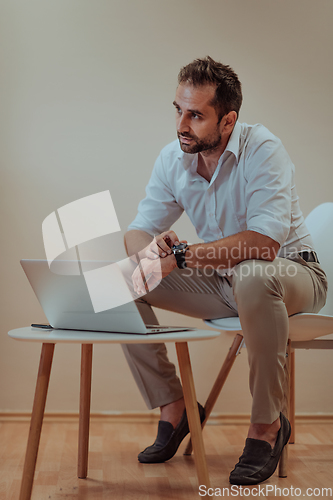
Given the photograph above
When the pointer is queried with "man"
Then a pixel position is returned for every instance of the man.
(236, 183)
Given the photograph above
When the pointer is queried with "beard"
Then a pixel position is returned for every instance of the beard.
(209, 143)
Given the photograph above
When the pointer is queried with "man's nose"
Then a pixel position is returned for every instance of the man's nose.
(182, 124)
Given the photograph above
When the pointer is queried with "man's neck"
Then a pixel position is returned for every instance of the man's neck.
(208, 160)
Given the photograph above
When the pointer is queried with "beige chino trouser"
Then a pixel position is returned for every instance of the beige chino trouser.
(263, 294)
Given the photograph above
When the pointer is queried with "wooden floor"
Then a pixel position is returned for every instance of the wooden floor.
(115, 473)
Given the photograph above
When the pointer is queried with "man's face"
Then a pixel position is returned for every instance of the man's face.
(196, 120)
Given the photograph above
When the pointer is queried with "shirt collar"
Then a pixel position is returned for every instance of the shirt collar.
(234, 141)
(189, 160)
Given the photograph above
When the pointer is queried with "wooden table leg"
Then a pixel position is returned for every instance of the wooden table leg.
(36, 422)
(219, 382)
(192, 412)
(283, 463)
(292, 396)
(85, 397)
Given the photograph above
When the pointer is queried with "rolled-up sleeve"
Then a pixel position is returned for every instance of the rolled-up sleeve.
(159, 209)
(269, 176)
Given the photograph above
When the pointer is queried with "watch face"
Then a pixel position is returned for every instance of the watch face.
(179, 253)
(179, 248)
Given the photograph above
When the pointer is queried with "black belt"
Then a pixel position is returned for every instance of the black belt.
(309, 256)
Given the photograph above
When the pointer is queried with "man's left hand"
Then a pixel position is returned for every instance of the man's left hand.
(154, 270)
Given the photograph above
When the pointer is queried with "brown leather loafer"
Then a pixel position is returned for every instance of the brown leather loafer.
(168, 440)
(259, 460)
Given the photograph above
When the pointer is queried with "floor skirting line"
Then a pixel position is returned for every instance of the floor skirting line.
(150, 417)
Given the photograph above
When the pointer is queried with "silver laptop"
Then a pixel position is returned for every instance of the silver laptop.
(66, 302)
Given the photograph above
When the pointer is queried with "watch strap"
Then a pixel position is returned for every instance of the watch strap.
(180, 259)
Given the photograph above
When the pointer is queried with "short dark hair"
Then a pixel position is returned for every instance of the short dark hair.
(228, 94)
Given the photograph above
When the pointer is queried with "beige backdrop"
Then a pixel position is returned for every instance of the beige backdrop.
(86, 105)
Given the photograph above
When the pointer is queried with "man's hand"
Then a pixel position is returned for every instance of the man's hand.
(153, 270)
(158, 263)
(161, 245)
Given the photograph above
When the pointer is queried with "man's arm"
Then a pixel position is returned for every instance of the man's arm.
(159, 210)
(223, 253)
(220, 254)
(229, 251)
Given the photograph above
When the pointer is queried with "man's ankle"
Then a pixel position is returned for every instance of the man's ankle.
(173, 412)
(265, 432)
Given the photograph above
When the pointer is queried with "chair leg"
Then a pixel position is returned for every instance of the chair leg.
(192, 412)
(219, 382)
(292, 397)
(36, 423)
(283, 463)
(84, 420)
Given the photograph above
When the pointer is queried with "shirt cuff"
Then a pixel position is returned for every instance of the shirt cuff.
(268, 226)
(140, 228)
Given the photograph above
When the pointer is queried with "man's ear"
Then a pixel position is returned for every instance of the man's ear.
(229, 121)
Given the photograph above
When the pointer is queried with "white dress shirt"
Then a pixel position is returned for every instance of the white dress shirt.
(252, 188)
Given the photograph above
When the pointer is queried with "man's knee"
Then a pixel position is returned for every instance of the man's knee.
(253, 280)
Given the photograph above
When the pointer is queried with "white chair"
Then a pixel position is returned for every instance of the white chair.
(306, 330)
(49, 338)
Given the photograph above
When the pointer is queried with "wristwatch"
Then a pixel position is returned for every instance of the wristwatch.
(179, 252)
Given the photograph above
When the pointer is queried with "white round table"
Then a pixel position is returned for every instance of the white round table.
(49, 338)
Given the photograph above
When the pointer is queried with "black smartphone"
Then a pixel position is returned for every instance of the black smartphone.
(45, 327)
